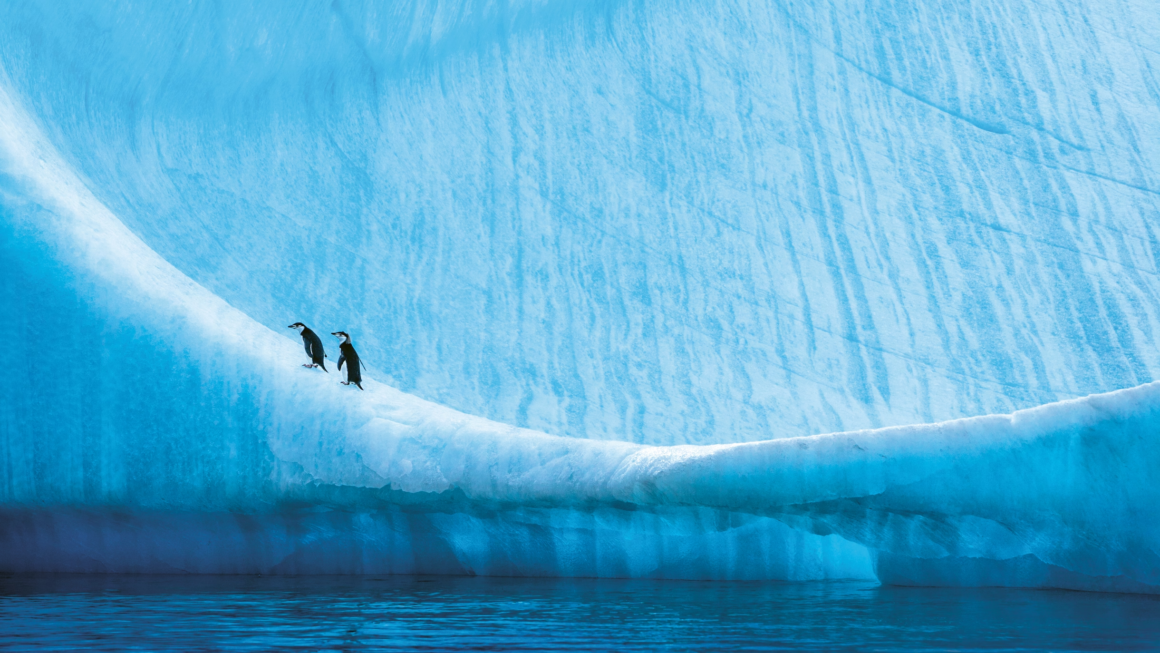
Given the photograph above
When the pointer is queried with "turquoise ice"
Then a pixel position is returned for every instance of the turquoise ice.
(582, 247)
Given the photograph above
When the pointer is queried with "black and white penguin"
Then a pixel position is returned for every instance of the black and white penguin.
(350, 357)
(313, 346)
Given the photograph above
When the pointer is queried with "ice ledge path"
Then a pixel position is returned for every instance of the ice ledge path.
(148, 426)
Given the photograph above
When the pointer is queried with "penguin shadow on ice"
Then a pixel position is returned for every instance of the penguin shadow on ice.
(350, 357)
(313, 346)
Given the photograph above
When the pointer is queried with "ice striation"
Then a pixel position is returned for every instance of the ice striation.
(774, 276)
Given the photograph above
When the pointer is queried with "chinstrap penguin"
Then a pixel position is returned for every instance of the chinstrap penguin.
(350, 357)
(313, 346)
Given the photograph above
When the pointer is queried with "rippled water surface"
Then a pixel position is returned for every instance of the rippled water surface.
(440, 613)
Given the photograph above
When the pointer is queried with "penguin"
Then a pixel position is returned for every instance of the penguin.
(350, 357)
(313, 346)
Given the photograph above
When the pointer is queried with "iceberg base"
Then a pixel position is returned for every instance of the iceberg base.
(691, 544)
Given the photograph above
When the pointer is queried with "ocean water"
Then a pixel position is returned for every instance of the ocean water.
(249, 613)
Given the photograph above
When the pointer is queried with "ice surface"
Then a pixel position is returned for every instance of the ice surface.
(628, 223)
(664, 222)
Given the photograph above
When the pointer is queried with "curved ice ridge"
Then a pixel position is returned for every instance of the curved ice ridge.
(291, 473)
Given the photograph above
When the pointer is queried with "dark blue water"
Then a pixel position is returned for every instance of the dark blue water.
(437, 614)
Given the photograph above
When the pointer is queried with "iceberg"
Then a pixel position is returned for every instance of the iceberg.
(721, 291)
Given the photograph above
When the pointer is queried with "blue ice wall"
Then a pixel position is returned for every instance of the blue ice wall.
(634, 223)
(661, 222)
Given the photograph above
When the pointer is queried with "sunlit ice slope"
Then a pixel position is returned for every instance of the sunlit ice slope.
(658, 222)
(149, 426)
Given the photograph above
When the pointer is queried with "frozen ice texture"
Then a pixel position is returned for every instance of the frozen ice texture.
(624, 224)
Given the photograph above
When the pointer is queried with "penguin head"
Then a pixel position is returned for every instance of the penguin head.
(342, 335)
(298, 326)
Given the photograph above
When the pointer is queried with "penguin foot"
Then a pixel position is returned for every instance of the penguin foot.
(345, 382)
